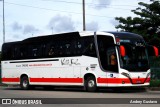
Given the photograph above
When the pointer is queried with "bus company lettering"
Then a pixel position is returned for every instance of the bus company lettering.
(40, 65)
(22, 65)
(70, 62)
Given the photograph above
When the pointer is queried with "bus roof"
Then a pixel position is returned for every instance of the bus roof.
(86, 33)
(75, 35)
(126, 35)
(70, 35)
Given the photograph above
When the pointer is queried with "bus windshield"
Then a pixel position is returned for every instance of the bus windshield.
(135, 59)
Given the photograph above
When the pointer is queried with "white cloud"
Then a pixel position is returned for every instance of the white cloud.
(61, 23)
(30, 29)
(101, 4)
(114, 22)
(16, 36)
(16, 26)
(92, 26)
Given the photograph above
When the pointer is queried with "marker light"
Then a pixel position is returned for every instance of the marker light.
(156, 51)
(122, 51)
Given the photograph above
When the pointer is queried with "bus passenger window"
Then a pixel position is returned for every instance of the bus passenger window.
(68, 49)
(34, 52)
(61, 50)
(22, 54)
(79, 45)
(91, 46)
(51, 51)
(67, 45)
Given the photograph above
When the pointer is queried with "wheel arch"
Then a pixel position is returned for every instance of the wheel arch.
(23, 75)
(88, 75)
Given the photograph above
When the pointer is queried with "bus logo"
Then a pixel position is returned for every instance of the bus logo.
(6, 101)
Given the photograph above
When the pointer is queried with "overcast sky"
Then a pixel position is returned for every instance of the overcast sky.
(28, 18)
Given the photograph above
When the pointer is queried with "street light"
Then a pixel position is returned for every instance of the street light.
(3, 23)
(84, 23)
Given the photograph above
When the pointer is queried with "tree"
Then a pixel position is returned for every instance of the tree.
(147, 22)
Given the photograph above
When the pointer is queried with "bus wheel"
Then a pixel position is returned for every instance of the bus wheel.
(24, 84)
(90, 84)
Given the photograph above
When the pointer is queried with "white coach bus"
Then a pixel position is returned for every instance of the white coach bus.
(89, 59)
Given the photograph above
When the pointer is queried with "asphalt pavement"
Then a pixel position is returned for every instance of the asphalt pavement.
(73, 93)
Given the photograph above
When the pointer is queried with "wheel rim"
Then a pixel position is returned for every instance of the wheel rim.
(91, 83)
(25, 83)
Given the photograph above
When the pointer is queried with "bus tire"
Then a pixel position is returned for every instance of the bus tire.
(24, 83)
(90, 84)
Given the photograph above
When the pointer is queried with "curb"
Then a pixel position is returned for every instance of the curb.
(11, 86)
(3, 85)
(154, 88)
(147, 88)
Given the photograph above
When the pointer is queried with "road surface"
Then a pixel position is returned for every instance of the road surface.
(16, 92)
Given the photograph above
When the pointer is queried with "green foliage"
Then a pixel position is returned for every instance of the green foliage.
(154, 62)
(155, 67)
(147, 22)
(155, 83)
(155, 71)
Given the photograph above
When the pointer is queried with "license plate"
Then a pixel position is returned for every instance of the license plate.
(138, 82)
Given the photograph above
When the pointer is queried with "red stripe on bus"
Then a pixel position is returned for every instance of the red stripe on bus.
(60, 80)
(112, 80)
(148, 80)
(79, 80)
(10, 79)
(120, 80)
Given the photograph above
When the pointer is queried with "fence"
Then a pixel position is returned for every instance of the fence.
(155, 67)
(155, 73)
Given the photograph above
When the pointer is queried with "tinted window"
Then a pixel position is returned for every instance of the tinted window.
(36, 51)
(50, 49)
(89, 47)
(107, 53)
(19, 52)
(7, 52)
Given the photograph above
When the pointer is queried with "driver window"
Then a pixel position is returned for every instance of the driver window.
(112, 59)
(107, 53)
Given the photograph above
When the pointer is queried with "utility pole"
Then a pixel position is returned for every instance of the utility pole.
(3, 24)
(84, 23)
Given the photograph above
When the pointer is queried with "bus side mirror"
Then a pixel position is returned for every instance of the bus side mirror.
(122, 51)
(156, 51)
(153, 51)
